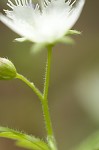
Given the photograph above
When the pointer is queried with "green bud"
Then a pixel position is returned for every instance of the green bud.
(7, 69)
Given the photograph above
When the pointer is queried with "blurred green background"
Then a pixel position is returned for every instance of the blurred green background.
(74, 84)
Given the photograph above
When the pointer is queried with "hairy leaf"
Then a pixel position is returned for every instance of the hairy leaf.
(23, 140)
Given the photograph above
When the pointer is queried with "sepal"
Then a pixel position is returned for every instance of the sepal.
(66, 40)
(36, 47)
(23, 39)
(73, 32)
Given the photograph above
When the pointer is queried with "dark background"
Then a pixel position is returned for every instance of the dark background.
(74, 85)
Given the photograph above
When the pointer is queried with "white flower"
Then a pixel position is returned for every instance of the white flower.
(45, 22)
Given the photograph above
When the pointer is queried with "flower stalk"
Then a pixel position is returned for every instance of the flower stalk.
(44, 99)
(31, 85)
(47, 119)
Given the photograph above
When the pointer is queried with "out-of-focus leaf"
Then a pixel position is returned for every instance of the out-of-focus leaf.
(91, 143)
(23, 140)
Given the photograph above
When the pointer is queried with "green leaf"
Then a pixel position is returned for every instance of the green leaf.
(23, 140)
(91, 143)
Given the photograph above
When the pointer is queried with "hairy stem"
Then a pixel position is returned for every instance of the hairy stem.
(45, 95)
(31, 85)
(47, 118)
(44, 100)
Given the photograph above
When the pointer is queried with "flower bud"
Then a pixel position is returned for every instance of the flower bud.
(7, 69)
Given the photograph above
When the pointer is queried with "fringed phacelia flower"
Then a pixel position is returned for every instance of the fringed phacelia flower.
(45, 22)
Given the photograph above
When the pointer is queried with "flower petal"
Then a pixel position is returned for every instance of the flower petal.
(10, 24)
(25, 11)
(42, 25)
(24, 31)
(74, 15)
(22, 28)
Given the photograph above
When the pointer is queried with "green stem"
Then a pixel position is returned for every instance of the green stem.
(44, 100)
(31, 85)
(45, 95)
(47, 118)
